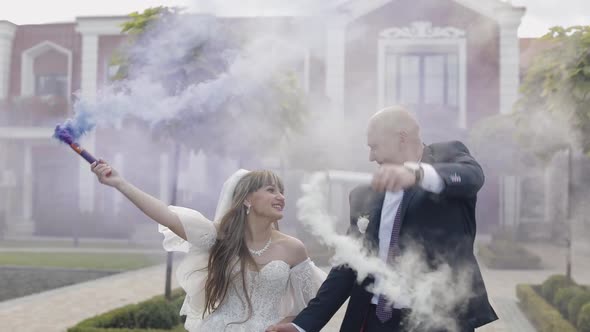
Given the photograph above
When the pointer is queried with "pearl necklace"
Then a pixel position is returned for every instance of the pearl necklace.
(261, 251)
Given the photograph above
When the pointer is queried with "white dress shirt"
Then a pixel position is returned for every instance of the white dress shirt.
(431, 182)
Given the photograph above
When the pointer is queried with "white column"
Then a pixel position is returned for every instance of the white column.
(22, 224)
(88, 90)
(7, 31)
(462, 83)
(28, 183)
(91, 28)
(510, 201)
(509, 21)
(335, 64)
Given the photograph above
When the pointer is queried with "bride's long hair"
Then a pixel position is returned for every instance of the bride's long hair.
(230, 248)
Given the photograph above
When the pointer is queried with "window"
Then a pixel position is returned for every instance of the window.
(51, 84)
(422, 79)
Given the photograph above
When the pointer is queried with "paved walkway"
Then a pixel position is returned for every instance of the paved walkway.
(56, 310)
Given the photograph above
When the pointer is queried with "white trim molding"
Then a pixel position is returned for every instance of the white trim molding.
(265, 8)
(358, 8)
(423, 34)
(28, 58)
(105, 26)
(7, 32)
(26, 133)
(422, 30)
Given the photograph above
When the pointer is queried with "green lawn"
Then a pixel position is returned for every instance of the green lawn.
(98, 261)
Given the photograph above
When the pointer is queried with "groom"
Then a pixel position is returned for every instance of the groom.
(421, 197)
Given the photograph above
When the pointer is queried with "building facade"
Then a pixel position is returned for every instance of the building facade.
(453, 62)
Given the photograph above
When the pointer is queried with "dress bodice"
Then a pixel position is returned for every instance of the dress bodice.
(266, 289)
(276, 290)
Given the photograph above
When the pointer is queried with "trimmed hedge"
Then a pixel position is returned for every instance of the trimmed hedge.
(584, 318)
(563, 297)
(553, 284)
(155, 315)
(503, 254)
(576, 303)
(541, 314)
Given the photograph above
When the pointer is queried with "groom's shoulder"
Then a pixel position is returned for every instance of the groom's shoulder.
(360, 197)
(361, 190)
(449, 145)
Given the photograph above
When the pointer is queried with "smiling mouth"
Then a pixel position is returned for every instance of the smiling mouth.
(278, 207)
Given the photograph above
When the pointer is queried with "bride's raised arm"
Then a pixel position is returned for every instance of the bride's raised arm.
(151, 206)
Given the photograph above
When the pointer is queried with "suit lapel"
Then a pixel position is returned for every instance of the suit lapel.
(377, 205)
(375, 219)
(408, 195)
(427, 156)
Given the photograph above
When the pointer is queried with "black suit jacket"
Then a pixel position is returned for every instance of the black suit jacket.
(441, 225)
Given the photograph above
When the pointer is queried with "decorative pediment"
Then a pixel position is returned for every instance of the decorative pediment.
(422, 30)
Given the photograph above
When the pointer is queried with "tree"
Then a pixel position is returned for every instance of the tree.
(254, 126)
(240, 125)
(558, 80)
(552, 114)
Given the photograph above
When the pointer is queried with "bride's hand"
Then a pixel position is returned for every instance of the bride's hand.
(106, 174)
(288, 327)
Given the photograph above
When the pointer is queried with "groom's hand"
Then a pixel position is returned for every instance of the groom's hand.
(392, 178)
(282, 328)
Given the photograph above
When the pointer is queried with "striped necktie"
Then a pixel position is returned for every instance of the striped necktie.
(384, 311)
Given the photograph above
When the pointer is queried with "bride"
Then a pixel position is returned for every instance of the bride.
(240, 273)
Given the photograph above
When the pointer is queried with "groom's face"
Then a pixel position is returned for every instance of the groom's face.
(384, 146)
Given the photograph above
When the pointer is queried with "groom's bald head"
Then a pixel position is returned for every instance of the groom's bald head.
(393, 135)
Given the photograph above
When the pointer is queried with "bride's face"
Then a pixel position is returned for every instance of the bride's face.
(267, 202)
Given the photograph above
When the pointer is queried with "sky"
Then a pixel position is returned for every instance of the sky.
(541, 14)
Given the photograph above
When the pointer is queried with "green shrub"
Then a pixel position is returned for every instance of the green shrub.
(576, 303)
(177, 304)
(563, 298)
(159, 314)
(541, 314)
(553, 284)
(584, 319)
(154, 315)
(122, 318)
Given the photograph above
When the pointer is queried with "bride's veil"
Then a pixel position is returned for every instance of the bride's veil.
(227, 191)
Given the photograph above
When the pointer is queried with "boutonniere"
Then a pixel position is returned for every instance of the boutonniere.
(362, 223)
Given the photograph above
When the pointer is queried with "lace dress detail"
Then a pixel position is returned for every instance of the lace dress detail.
(276, 291)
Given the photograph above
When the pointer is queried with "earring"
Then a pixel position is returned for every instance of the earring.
(248, 209)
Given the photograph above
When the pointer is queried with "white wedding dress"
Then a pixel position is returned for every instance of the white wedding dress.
(276, 291)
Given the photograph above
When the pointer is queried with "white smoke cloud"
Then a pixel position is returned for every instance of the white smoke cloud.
(409, 279)
(146, 95)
